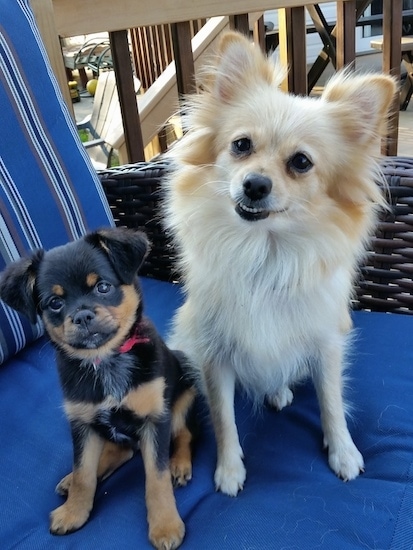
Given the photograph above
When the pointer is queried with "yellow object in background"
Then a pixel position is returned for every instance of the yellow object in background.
(74, 91)
(91, 86)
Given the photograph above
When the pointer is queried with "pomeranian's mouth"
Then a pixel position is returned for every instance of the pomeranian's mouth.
(252, 214)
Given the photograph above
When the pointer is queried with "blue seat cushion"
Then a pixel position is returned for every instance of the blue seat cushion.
(49, 192)
(291, 497)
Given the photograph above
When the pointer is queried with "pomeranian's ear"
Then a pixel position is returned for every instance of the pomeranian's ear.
(363, 103)
(125, 248)
(17, 285)
(241, 63)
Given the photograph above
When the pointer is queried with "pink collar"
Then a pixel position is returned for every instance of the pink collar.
(138, 336)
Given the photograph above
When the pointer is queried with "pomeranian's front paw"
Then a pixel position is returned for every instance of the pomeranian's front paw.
(230, 475)
(67, 519)
(345, 460)
(280, 399)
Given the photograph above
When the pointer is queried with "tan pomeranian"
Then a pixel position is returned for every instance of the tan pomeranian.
(271, 202)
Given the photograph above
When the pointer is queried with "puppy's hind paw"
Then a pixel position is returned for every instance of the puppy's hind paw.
(230, 476)
(181, 472)
(62, 488)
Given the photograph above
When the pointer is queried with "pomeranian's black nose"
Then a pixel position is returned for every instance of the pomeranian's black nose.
(257, 186)
(83, 317)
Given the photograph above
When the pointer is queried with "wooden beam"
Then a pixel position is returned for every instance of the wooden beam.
(293, 53)
(184, 59)
(44, 14)
(346, 34)
(240, 23)
(127, 96)
(75, 17)
(259, 33)
(392, 52)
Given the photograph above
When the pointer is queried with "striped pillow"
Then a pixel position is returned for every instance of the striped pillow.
(49, 192)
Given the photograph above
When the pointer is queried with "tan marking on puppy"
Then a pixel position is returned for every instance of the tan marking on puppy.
(92, 279)
(180, 410)
(147, 399)
(76, 510)
(86, 412)
(113, 457)
(166, 528)
(58, 290)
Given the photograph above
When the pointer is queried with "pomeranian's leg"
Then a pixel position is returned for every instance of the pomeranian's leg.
(343, 456)
(230, 472)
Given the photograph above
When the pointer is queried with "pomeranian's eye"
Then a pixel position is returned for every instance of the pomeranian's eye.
(103, 287)
(242, 146)
(299, 163)
(55, 304)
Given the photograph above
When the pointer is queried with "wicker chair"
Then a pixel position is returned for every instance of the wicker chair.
(385, 281)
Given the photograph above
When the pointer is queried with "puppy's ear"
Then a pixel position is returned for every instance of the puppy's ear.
(125, 248)
(17, 285)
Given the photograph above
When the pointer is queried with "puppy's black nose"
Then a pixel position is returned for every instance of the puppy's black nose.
(83, 317)
(257, 186)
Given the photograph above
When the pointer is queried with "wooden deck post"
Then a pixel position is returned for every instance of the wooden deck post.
(127, 95)
(392, 52)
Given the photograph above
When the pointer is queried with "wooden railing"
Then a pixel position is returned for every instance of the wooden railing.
(152, 50)
(71, 17)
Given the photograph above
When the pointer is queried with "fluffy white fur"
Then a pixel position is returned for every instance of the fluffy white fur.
(267, 300)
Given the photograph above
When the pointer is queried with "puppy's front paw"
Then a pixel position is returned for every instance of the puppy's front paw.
(230, 475)
(65, 519)
(345, 460)
(167, 535)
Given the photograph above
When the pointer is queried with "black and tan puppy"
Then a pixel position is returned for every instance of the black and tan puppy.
(122, 386)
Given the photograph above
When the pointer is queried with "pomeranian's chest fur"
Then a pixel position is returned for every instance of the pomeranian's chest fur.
(263, 303)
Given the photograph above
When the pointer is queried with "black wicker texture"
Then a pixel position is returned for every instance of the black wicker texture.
(134, 194)
(385, 283)
(385, 278)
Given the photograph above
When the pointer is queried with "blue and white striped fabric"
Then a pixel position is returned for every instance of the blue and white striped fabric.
(49, 192)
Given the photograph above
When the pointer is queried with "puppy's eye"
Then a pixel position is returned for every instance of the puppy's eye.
(103, 287)
(241, 147)
(299, 163)
(56, 304)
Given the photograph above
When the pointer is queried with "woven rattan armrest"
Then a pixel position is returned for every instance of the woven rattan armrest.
(385, 282)
(385, 279)
(134, 193)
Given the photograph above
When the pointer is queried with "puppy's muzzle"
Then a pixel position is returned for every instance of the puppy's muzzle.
(87, 331)
(256, 188)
